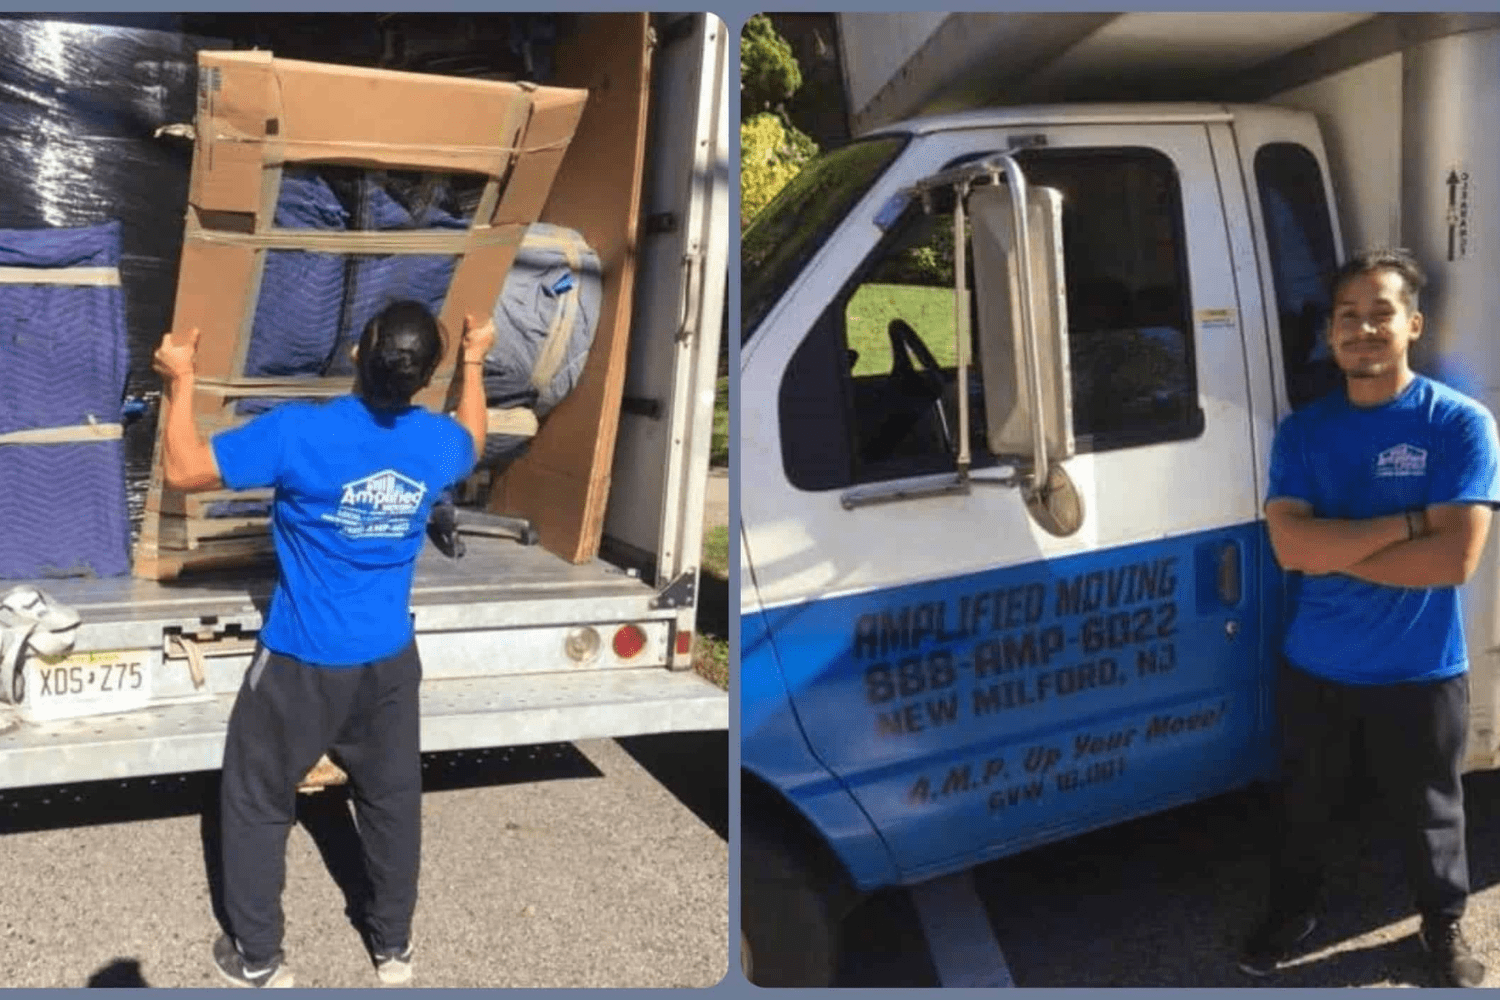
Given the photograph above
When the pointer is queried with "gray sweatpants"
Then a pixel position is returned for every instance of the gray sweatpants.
(286, 716)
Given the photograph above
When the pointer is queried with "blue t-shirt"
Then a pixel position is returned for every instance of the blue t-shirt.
(353, 493)
(1429, 445)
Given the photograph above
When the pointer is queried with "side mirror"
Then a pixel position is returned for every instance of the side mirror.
(1023, 338)
(1006, 356)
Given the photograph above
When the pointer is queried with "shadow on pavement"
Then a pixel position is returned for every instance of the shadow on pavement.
(328, 820)
(122, 973)
(328, 815)
(873, 956)
(94, 803)
(692, 766)
(56, 807)
(1166, 901)
(495, 766)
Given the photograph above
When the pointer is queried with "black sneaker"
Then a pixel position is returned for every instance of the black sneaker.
(394, 967)
(233, 967)
(1454, 963)
(1274, 941)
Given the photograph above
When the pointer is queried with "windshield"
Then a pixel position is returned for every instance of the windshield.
(788, 231)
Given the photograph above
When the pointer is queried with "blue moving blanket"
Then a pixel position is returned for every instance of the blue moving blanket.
(63, 359)
(313, 306)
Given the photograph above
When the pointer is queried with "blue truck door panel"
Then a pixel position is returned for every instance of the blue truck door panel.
(978, 685)
(982, 713)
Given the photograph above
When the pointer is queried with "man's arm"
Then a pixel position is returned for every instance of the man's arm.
(1464, 488)
(1302, 541)
(188, 462)
(1446, 556)
(471, 411)
(1319, 545)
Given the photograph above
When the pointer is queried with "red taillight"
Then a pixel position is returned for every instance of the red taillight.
(684, 643)
(629, 641)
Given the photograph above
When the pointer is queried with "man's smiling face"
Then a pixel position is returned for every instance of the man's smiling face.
(1374, 324)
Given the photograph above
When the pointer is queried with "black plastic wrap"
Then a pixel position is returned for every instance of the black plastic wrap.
(79, 108)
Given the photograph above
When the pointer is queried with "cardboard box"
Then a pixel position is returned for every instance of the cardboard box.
(256, 114)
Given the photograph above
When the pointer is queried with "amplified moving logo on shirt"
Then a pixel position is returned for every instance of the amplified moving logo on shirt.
(378, 506)
(1402, 460)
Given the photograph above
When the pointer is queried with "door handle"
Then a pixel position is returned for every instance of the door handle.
(1229, 578)
(692, 293)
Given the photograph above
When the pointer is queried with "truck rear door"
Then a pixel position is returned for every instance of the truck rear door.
(655, 513)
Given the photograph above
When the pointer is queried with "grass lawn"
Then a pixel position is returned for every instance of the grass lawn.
(928, 310)
(718, 449)
(716, 552)
(711, 644)
(711, 659)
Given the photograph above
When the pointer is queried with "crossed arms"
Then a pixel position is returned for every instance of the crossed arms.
(1445, 552)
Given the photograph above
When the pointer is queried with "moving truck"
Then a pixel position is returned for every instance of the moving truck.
(520, 644)
(1018, 352)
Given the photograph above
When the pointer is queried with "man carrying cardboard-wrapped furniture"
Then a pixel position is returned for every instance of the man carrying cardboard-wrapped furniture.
(337, 664)
(355, 476)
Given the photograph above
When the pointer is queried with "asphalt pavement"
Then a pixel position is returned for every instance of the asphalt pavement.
(597, 864)
(1166, 901)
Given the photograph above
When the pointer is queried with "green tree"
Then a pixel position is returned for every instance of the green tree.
(771, 153)
(769, 74)
(772, 149)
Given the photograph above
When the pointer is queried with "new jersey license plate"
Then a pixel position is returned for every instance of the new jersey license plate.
(93, 683)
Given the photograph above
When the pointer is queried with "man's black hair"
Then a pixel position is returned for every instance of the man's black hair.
(398, 352)
(1401, 261)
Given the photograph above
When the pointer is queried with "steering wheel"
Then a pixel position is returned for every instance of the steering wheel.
(916, 388)
(905, 343)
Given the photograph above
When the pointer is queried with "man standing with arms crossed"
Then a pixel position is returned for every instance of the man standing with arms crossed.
(1380, 495)
(336, 668)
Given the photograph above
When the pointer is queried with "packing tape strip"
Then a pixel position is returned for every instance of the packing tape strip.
(64, 435)
(404, 241)
(103, 276)
(275, 388)
(550, 357)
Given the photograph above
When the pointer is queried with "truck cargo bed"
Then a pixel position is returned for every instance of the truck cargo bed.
(497, 582)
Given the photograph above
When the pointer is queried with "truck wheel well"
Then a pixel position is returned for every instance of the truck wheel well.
(769, 811)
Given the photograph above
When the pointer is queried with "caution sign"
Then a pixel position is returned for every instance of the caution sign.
(1222, 319)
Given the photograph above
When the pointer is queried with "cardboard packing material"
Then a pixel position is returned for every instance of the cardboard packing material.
(562, 482)
(256, 113)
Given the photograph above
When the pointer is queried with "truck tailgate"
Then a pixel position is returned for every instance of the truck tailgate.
(456, 714)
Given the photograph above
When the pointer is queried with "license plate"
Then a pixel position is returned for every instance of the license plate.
(94, 683)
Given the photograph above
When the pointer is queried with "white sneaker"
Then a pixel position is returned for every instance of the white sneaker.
(394, 967)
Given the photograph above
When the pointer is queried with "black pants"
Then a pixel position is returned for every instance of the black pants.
(286, 716)
(1413, 740)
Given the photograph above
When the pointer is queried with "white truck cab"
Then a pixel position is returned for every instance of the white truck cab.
(1004, 570)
